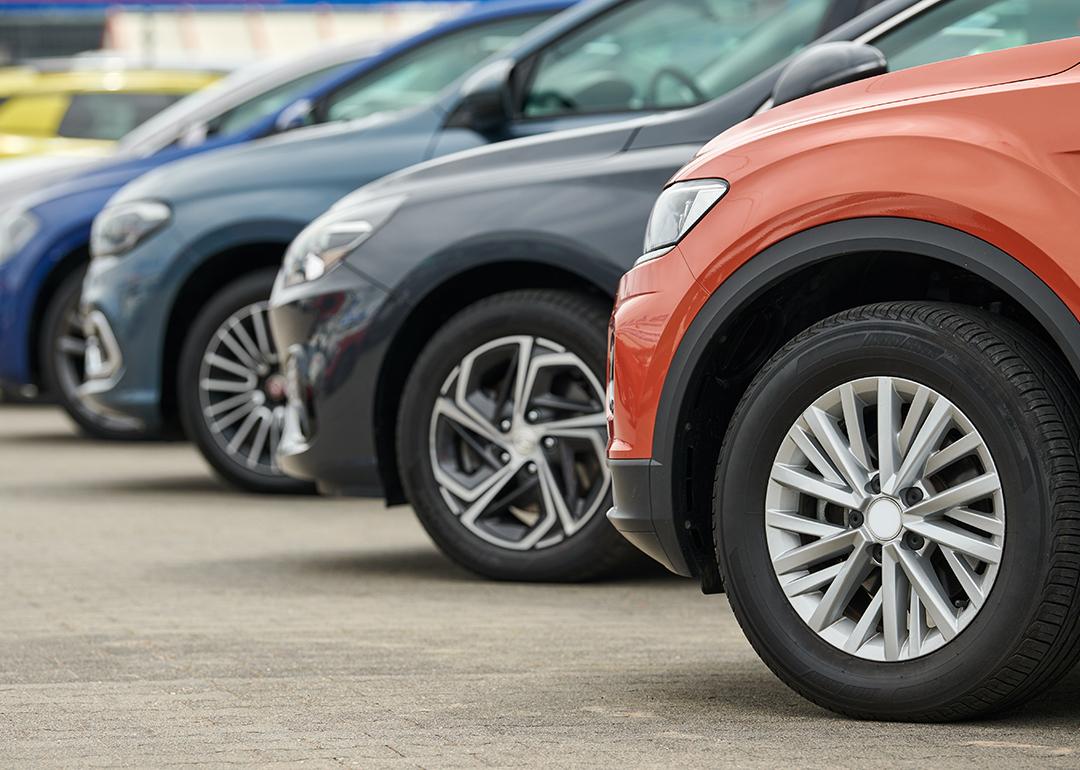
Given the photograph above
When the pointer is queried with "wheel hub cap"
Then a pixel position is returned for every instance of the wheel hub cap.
(524, 441)
(885, 518)
(275, 387)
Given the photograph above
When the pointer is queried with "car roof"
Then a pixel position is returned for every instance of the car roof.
(87, 81)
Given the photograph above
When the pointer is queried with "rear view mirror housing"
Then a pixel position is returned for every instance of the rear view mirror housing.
(296, 115)
(825, 66)
(486, 103)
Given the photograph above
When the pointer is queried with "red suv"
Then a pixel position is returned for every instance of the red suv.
(844, 377)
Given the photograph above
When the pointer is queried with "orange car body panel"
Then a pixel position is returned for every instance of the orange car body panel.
(989, 145)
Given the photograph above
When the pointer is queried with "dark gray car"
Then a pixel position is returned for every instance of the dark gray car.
(455, 357)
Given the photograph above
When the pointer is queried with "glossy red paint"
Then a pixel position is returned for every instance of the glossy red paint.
(989, 145)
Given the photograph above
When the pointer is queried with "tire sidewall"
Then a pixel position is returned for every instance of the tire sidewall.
(467, 331)
(775, 401)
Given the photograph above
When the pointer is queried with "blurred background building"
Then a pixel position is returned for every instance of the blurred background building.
(219, 32)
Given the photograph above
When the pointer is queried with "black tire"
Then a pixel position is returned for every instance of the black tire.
(62, 372)
(1022, 400)
(241, 293)
(572, 321)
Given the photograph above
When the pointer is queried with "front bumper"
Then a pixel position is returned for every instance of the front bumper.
(322, 331)
(126, 302)
(642, 336)
(647, 523)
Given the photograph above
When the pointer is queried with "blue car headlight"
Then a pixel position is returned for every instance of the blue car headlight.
(333, 236)
(119, 229)
(17, 227)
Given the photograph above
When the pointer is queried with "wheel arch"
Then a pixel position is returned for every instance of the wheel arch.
(225, 261)
(478, 271)
(75, 256)
(789, 287)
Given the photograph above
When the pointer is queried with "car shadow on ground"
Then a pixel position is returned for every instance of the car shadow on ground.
(349, 571)
(724, 689)
(194, 484)
(338, 572)
(71, 438)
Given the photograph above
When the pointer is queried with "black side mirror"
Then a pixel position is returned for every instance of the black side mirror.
(485, 104)
(295, 115)
(826, 65)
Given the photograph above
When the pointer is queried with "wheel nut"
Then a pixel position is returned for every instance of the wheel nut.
(549, 442)
(532, 467)
(533, 415)
(505, 457)
(874, 486)
(911, 495)
(504, 425)
(914, 541)
(855, 519)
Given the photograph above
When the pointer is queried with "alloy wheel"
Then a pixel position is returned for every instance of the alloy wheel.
(885, 519)
(242, 391)
(517, 443)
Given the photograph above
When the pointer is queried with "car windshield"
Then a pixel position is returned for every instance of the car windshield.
(667, 54)
(268, 86)
(417, 77)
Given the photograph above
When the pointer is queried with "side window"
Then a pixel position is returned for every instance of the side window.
(265, 104)
(966, 27)
(416, 77)
(666, 54)
(110, 115)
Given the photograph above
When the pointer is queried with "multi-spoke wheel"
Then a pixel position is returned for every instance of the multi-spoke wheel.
(896, 508)
(62, 356)
(885, 518)
(503, 434)
(231, 390)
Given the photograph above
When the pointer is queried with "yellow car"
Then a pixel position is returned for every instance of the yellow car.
(83, 112)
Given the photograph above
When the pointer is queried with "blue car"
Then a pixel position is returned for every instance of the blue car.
(44, 240)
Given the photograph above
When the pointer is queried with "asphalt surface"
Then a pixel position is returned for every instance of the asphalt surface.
(151, 616)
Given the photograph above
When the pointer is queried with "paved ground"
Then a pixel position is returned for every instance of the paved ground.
(150, 616)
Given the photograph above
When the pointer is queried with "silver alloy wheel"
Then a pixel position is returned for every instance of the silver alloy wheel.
(242, 392)
(517, 443)
(885, 519)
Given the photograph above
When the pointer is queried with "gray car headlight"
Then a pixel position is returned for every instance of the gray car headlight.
(333, 236)
(677, 210)
(17, 227)
(119, 229)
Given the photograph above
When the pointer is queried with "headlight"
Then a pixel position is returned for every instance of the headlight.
(17, 227)
(120, 228)
(333, 236)
(677, 210)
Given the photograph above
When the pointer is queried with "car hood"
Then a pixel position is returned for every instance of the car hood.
(504, 158)
(316, 155)
(26, 176)
(984, 70)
